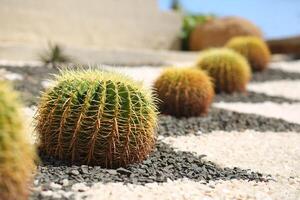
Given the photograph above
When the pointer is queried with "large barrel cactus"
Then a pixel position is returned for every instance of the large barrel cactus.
(97, 118)
(16, 154)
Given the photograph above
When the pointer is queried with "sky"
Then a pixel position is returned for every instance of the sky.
(276, 18)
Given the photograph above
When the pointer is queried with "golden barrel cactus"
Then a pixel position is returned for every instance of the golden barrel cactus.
(184, 92)
(254, 49)
(230, 70)
(95, 117)
(16, 154)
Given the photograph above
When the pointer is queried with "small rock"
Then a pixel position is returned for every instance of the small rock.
(55, 186)
(75, 172)
(121, 170)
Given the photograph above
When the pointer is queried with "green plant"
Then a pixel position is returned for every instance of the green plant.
(184, 92)
(254, 49)
(54, 56)
(16, 155)
(97, 118)
(188, 25)
(229, 70)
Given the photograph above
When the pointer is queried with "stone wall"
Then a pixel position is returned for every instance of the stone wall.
(105, 24)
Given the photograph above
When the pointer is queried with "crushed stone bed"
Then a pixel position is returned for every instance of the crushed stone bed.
(285, 111)
(269, 152)
(244, 149)
(162, 165)
(225, 120)
(281, 88)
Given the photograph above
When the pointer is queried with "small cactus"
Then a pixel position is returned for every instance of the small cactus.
(230, 70)
(254, 49)
(95, 117)
(16, 155)
(184, 92)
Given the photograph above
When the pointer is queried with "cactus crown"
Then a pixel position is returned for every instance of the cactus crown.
(229, 70)
(16, 155)
(184, 92)
(254, 49)
(97, 118)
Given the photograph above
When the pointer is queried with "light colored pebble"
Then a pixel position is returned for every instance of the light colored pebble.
(285, 111)
(65, 182)
(55, 186)
(79, 187)
(284, 88)
(187, 189)
(47, 193)
(270, 153)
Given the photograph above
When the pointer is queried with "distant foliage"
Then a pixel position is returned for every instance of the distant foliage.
(254, 49)
(16, 154)
(97, 118)
(54, 56)
(229, 69)
(184, 92)
(188, 25)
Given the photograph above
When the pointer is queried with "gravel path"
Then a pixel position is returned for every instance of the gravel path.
(246, 148)
(186, 189)
(268, 152)
(285, 111)
(283, 88)
(291, 66)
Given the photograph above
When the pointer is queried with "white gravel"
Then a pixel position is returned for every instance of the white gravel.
(285, 111)
(284, 88)
(270, 153)
(291, 66)
(6, 75)
(186, 189)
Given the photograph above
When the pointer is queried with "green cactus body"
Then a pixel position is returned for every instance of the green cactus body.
(230, 70)
(254, 49)
(184, 92)
(16, 155)
(97, 118)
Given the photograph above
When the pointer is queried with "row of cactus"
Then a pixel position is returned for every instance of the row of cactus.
(16, 154)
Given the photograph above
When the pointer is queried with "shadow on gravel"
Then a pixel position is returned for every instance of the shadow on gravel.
(274, 74)
(222, 120)
(162, 165)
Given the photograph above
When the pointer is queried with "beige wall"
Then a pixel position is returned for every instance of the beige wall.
(108, 24)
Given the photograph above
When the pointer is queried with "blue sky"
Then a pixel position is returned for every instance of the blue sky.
(277, 18)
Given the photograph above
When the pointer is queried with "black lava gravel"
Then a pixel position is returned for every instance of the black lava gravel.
(251, 97)
(225, 120)
(163, 164)
(274, 74)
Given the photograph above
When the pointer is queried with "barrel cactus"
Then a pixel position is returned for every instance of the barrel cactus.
(184, 92)
(95, 117)
(16, 154)
(230, 70)
(254, 49)
(216, 32)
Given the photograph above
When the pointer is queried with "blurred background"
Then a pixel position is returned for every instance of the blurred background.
(103, 31)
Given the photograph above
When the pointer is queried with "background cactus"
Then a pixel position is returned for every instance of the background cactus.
(97, 118)
(254, 49)
(184, 92)
(216, 32)
(16, 155)
(229, 70)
